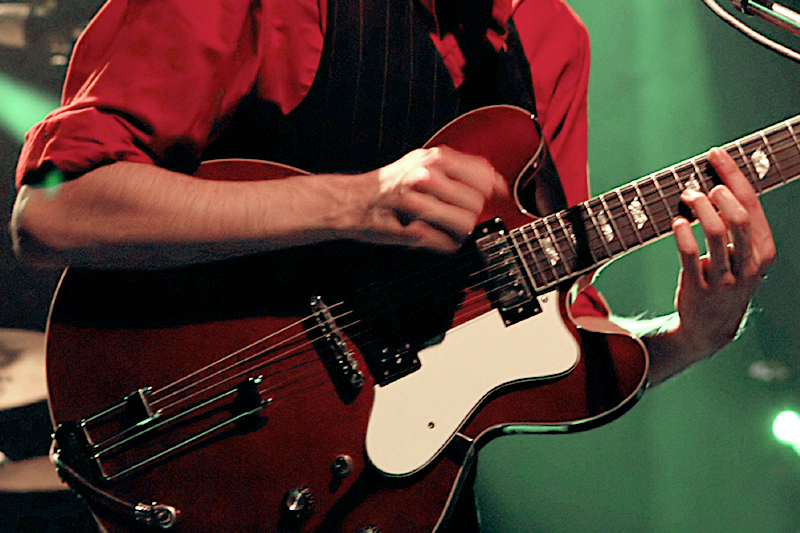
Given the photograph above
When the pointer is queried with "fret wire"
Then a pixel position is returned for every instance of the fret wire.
(663, 198)
(542, 266)
(650, 217)
(612, 220)
(592, 233)
(618, 212)
(559, 237)
(595, 237)
(701, 176)
(772, 159)
(564, 261)
(692, 181)
(598, 230)
(794, 136)
(548, 260)
(784, 144)
(627, 212)
(677, 179)
(566, 231)
(772, 170)
(532, 274)
(659, 200)
(569, 237)
(791, 146)
(790, 129)
(745, 165)
(576, 217)
(645, 230)
(752, 174)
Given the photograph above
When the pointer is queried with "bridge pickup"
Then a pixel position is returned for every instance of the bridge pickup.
(505, 281)
(338, 359)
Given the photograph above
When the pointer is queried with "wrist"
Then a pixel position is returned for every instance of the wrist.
(672, 349)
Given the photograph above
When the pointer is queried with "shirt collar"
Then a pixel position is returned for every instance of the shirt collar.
(501, 12)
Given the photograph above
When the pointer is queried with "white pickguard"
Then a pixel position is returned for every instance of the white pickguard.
(414, 417)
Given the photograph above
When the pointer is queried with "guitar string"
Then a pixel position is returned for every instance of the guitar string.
(286, 400)
(272, 348)
(116, 441)
(673, 174)
(321, 383)
(296, 324)
(279, 357)
(240, 351)
(284, 343)
(257, 342)
(786, 137)
(216, 384)
(656, 177)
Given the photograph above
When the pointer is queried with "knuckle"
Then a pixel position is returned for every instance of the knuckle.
(715, 231)
(739, 217)
(421, 174)
(435, 154)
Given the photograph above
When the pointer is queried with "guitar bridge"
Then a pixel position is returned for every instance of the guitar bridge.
(505, 281)
(338, 359)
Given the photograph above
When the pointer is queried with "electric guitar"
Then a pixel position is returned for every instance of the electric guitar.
(346, 387)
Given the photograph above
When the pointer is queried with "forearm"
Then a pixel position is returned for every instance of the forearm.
(130, 215)
(139, 216)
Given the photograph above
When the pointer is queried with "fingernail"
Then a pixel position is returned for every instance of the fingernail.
(689, 194)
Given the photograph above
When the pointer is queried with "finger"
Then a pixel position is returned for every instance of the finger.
(450, 191)
(692, 271)
(715, 230)
(454, 220)
(742, 258)
(742, 190)
(472, 170)
(423, 235)
(404, 230)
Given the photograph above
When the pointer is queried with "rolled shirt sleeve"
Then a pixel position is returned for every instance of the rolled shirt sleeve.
(149, 82)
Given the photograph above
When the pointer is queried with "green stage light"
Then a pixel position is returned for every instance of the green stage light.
(787, 427)
(23, 106)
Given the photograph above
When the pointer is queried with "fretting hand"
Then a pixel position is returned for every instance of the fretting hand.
(715, 290)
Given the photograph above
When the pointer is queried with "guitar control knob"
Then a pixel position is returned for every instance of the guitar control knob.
(368, 529)
(342, 466)
(298, 503)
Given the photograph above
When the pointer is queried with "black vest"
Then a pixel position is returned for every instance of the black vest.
(381, 90)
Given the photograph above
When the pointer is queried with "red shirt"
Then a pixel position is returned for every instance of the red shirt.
(146, 73)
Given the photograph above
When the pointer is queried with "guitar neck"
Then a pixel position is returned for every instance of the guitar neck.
(563, 245)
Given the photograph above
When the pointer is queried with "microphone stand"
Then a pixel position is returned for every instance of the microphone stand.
(772, 12)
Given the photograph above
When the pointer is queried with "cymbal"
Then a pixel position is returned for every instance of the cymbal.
(30, 475)
(22, 367)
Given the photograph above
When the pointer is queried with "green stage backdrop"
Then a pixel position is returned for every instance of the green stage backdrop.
(670, 80)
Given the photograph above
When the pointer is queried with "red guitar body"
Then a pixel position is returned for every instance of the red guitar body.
(203, 389)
